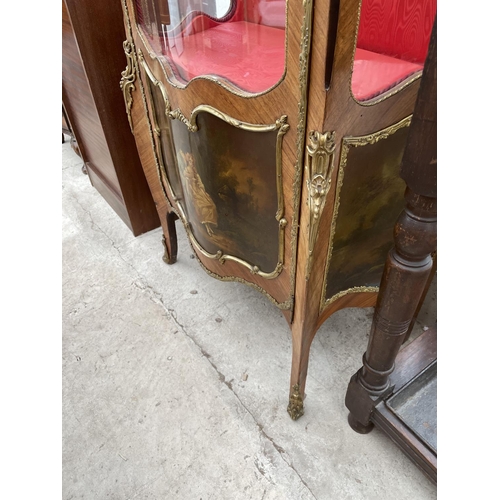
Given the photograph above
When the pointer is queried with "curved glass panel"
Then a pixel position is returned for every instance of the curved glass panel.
(239, 41)
(393, 37)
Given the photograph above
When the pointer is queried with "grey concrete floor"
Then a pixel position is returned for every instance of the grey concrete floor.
(175, 385)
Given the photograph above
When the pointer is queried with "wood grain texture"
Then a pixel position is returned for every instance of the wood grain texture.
(315, 95)
(262, 109)
(414, 358)
(404, 438)
(333, 108)
(93, 60)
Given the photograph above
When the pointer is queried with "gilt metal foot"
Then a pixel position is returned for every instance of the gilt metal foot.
(295, 405)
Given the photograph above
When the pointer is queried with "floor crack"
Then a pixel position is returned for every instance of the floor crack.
(96, 226)
(229, 385)
(171, 313)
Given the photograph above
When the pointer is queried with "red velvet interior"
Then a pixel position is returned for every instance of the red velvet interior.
(251, 56)
(375, 73)
(249, 48)
(397, 28)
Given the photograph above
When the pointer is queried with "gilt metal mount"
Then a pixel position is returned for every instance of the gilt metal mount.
(295, 405)
(319, 166)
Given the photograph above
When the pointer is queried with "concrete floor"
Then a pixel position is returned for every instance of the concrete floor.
(175, 385)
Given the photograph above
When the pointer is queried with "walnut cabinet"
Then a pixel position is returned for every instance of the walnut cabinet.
(273, 131)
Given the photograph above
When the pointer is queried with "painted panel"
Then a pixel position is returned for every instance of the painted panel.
(229, 189)
(369, 199)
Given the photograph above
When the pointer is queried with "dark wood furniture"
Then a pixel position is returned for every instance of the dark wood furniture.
(275, 133)
(93, 60)
(66, 129)
(397, 390)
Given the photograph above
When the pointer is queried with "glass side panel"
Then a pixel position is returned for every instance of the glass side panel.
(241, 42)
(393, 37)
(163, 134)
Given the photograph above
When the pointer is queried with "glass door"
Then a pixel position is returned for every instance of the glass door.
(238, 41)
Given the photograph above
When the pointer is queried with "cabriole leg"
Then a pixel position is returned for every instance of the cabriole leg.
(169, 239)
(302, 337)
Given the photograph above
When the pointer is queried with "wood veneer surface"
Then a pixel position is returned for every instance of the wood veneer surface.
(93, 60)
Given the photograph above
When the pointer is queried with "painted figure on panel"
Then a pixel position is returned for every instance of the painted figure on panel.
(228, 189)
(204, 206)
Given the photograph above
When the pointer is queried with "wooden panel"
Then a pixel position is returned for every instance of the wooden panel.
(315, 96)
(262, 109)
(369, 202)
(405, 439)
(93, 59)
(79, 104)
(415, 357)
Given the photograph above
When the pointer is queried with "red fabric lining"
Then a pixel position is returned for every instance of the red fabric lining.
(249, 49)
(375, 73)
(397, 28)
(249, 55)
(252, 56)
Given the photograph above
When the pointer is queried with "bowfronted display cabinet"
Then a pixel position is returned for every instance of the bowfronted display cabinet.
(274, 129)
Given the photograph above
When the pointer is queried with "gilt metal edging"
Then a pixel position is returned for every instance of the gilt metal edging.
(305, 48)
(281, 125)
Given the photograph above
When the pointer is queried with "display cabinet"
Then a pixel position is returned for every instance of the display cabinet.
(274, 129)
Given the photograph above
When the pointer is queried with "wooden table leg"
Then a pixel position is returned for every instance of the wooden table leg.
(409, 264)
(405, 277)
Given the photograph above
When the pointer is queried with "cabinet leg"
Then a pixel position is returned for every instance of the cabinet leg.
(169, 239)
(302, 337)
(405, 278)
(295, 403)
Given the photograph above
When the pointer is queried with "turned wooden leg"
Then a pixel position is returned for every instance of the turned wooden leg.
(421, 301)
(169, 239)
(358, 426)
(406, 274)
(409, 264)
(405, 278)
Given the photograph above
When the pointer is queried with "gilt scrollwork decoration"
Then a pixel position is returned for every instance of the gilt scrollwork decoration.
(319, 166)
(280, 125)
(127, 80)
